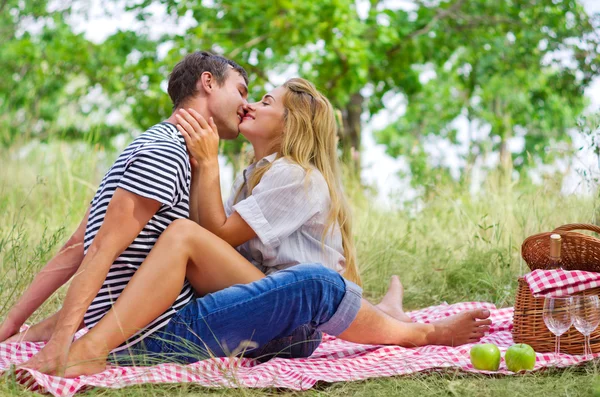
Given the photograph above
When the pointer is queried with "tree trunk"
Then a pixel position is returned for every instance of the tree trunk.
(472, 155)
(506, 162)
(350, 134)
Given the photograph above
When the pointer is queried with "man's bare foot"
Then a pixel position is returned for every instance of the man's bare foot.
(40, 332)
(84, 359)
(462, 328)
(391, 303)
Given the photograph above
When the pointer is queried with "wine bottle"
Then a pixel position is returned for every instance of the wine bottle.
(555, 262)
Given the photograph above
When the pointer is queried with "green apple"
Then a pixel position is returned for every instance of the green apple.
(485, 356)
(519, 357)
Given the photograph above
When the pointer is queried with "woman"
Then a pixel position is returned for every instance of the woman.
(287, 208)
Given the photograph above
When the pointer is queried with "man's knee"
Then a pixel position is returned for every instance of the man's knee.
(179, 226)
(182, 229)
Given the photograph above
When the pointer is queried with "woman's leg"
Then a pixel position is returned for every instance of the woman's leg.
(393, 300)
(184, 248)
(373, 326)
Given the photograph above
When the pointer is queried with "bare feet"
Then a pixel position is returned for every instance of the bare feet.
(84, 359)
(40, 332)
(391, 303)
(462, 328)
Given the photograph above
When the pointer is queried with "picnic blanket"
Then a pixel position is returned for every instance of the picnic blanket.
(334, 361)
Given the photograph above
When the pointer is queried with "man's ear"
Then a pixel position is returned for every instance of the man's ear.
(205, 83)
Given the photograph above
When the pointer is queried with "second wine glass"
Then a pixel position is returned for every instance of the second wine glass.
(586, 317)
(557, 317)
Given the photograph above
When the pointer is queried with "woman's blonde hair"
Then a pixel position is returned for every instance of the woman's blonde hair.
(309, 139)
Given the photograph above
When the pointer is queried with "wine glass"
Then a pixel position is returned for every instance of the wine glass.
(586, 317)
(557, 317)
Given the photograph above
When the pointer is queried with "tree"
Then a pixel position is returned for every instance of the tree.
(46, 75)
(483, 47)
(509, 75)
(357, 53)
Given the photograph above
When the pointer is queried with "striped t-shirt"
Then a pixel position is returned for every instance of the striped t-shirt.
(156, 166)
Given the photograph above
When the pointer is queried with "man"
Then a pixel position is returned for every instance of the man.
(146, 189)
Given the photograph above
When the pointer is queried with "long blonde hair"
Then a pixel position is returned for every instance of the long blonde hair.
(309, 139)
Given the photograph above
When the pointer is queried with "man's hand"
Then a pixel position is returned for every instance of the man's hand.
(51, 360)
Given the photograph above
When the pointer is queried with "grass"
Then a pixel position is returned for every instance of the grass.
(455, 248)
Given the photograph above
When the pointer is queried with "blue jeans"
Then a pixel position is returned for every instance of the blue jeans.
(283, 315)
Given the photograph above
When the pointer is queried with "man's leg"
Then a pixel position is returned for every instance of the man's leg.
(39, 332)
(302, 343)
(184, 250)
(217, 323)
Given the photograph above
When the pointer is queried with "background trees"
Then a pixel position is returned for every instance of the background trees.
(506, 68)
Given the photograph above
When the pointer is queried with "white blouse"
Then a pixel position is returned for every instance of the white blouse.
(288, 211)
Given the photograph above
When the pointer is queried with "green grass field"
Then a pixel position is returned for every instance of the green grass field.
(456, 248)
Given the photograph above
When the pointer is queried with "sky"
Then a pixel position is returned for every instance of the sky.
(379, 169)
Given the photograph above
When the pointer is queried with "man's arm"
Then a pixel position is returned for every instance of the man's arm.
(126, 216)
(52, 276)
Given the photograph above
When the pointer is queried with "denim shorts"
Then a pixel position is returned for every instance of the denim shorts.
(282, 315)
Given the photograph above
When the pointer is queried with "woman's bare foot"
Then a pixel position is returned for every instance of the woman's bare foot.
(391, 303)
(462, 328)
(85, 359)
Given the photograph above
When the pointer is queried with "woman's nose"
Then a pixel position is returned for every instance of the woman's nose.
(248, 107)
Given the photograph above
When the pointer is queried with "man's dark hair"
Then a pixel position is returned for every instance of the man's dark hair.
(185, 75)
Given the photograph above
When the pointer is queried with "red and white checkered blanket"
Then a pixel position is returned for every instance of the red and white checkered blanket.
(560, 282)
(334, 361)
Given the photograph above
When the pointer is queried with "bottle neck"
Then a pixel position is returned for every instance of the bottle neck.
(555, 242)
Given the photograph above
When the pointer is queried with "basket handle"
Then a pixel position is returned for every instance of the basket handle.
(575, 226)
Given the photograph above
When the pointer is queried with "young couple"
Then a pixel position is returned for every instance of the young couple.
(261, 275)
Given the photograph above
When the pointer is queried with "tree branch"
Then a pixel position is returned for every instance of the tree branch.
(441, 14)
(249, 44)
(474, 22)
(258, 71)
(470, 23)
(3, 5)
(344, 60)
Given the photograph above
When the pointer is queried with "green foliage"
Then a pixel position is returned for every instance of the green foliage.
(44, 65)
(502, 65)
(493, 62)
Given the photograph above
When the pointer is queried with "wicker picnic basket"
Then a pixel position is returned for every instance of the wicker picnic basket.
(578, 252)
